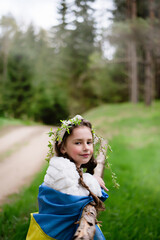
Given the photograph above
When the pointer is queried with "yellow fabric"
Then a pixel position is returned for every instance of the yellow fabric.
(98, 226)
(35, 232)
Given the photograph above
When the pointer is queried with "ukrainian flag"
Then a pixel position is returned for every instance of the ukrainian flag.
(57, 215)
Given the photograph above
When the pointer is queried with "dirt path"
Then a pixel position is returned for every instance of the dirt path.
(22, 154)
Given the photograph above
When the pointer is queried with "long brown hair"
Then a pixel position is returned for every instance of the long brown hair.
(89, 166)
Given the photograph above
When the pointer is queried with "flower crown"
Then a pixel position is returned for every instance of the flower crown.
(58, 135)
(66, 125)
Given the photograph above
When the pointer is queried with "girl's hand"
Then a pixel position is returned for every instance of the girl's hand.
(101, 182)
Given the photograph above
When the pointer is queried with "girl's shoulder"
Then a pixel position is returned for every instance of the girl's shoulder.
(62, 175)
(61, 163)
(92, 183)
(61, 170)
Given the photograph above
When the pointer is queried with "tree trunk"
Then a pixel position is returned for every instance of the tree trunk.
(151, 9)
(133, 72)
(133, 9)
(86, 229)
(5, 57)
(132, 52)
(149, 78)
(157, 78)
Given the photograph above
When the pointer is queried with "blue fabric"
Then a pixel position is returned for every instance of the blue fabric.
(58, 212)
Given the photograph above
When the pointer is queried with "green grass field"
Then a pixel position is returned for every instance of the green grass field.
(133, 211)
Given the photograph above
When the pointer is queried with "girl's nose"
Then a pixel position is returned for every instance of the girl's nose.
(85, 146)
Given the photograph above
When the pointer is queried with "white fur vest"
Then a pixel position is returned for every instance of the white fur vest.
(62, 175)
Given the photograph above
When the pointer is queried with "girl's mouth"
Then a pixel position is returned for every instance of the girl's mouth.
(85, 155)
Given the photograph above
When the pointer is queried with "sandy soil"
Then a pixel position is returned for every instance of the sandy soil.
(22, 154)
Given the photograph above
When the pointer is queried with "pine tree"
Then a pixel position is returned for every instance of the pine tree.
(18, 93)
(83, 37)
(81, 45)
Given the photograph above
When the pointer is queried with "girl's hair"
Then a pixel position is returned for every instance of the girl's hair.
(89, 166)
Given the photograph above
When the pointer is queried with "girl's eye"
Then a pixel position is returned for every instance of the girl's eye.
(78, 143)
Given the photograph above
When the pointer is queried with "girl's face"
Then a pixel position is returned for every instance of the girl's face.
(79, 145)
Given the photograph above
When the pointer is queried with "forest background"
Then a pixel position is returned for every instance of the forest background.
(47, 75)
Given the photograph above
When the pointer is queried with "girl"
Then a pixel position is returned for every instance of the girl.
(66, 189)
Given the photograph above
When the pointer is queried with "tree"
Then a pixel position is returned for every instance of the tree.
(83, 37)
(73, 42)
(81, 45)
(17, 96)
(49, 99)
(133, 59)
(149, 61)
(8, 27)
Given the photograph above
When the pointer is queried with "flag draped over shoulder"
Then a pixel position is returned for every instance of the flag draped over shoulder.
(57, 215)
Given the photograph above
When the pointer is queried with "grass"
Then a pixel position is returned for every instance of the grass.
(132, 212)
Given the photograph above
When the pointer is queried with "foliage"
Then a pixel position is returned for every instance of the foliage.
(17, 87)
(108, 82)
(29, 88)
(49, 106)
(79, 46)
